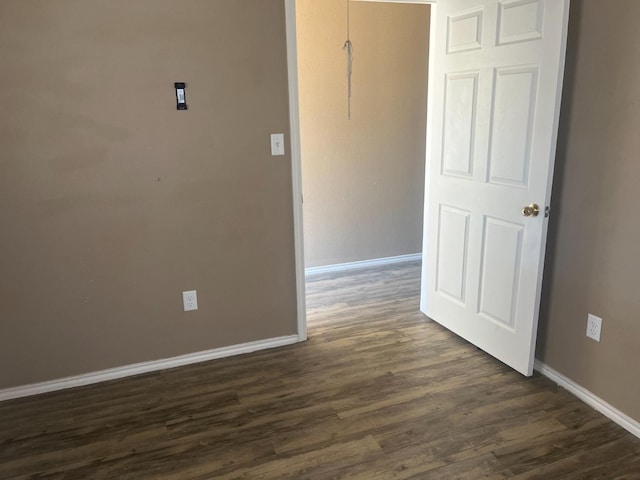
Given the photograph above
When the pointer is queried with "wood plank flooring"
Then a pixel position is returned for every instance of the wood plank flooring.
(378, 392)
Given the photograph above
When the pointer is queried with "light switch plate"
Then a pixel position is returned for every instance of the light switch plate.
(277, 144)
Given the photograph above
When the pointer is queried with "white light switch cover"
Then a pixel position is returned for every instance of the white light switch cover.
(277, 144)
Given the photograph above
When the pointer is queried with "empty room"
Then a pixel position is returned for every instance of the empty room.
(304, 239)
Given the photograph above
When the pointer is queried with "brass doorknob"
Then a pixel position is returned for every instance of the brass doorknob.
(531, 210)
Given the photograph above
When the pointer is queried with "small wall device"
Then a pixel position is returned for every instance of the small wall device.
(181, 98)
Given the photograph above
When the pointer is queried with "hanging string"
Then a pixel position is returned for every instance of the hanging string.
(348, 47)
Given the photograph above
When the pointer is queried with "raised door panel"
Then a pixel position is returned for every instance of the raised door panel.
(500, 271)
(464, 31)
(519, 21)
(453, 247)
(513, 111)
(461, 96)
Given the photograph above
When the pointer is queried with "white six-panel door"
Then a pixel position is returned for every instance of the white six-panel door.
(495, 87)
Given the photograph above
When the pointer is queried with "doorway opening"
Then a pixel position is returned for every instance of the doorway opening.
(495, 96)
(362, 177)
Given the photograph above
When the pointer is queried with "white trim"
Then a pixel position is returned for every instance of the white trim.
(144, 367)
(375, 262)
(423, 2)
(296, 165)
(589, 398)
(431, 69)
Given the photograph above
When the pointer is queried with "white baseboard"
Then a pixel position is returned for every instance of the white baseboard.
(144, 367)
(375, 262)
(589, 398)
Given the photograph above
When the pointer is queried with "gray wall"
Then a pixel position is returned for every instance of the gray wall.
(363, 180)
(593, 264)
(112, 202)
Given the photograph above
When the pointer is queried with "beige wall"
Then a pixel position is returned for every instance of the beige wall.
(593, 261)
(362, 179)
(112, 202)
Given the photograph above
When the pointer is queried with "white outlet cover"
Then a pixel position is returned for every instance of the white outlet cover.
(594, 327)
(190, 300)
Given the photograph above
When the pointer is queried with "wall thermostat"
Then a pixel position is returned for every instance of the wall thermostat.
(181, 98)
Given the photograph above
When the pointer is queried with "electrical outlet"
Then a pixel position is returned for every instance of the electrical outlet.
(190, 300)
(594, 326)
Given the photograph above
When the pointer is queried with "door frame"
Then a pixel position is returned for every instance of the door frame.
(296, 154)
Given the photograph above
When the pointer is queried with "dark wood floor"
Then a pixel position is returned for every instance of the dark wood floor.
(378, 392)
